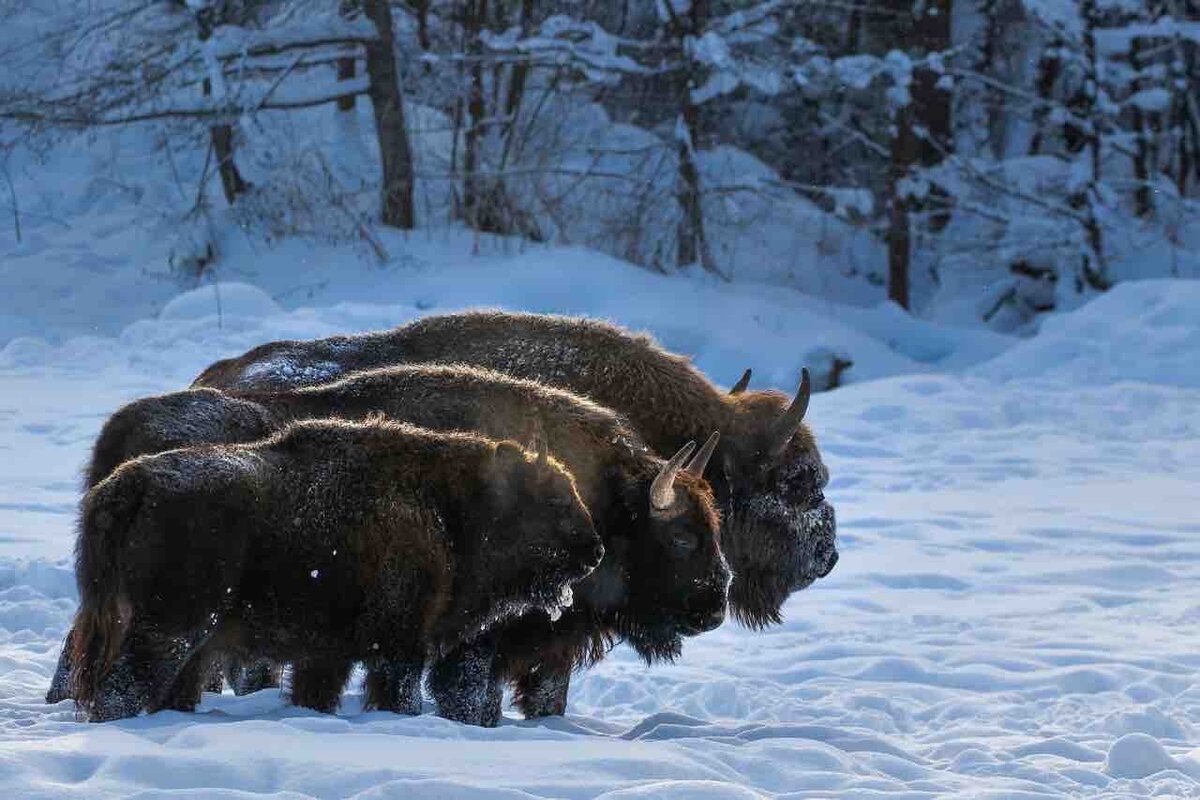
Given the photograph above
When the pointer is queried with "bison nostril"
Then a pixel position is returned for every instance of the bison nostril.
(708, 621)
(830, 563)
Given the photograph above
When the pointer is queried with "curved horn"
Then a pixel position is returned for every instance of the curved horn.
(794, 415)
(742, 383)
(696, 466)
(662, 491)
(543, 451)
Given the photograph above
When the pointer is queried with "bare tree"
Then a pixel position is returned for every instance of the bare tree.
(395, 156)
(347, 65)
(208, 16)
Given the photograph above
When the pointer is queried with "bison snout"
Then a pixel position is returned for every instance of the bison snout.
(594, 553)
(830, 562)
(702, 622)
(825, 555)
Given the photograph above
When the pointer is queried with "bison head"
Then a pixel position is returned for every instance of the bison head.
(779, 532)
(182, 419)
(678, 577)
(541, 536)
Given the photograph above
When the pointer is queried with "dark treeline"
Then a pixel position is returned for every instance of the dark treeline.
(1045, 141)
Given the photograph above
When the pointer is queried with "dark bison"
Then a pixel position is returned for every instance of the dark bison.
(330, 543)
(779, 532)
(664, 575)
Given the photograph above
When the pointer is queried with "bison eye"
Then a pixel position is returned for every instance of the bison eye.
(684, 543)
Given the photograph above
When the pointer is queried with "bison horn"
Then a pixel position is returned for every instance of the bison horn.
(696, 466)
(662, 491)
(789, 423)
(742, 383)
(537, 442)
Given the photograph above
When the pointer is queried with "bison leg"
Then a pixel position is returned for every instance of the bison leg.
(216, 679)
(179, 672)
(183, 693)
(317, 683)
(147, 676)
(60, 684)
(543, 692)
(142, 674)
(245, 677)
(393, 686)
(465, 685)
(124, 692)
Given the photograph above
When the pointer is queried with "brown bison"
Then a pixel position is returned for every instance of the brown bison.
(330, 543)
(778, 533)
(664, 575)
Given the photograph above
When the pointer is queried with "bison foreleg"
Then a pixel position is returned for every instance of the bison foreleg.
(179, 670)
(317, 683)
(123, 692)
(142, 673)
(215, 682)
(60, 684)
(543, 692)
(465, 685)
(393, 686)
(183, 693)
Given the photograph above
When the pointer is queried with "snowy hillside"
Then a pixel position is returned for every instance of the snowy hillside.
(1015, 614)
(976, 222)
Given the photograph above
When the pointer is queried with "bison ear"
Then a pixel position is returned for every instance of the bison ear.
(742, 383)
(537, 442)
(505, 472)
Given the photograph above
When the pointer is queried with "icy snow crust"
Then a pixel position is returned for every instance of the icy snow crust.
(1016, 613)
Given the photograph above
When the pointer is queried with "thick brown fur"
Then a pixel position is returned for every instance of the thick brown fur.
(663, 578)
(779, 533)
(329, 543)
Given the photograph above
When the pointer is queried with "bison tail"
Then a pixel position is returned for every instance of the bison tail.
(105, 612)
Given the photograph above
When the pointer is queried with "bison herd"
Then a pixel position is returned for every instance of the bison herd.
(484, 499)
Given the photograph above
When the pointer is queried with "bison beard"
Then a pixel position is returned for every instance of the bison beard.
(330, 543)
(769, 474)
(662, 577)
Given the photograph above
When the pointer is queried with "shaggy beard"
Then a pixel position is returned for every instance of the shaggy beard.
(772, 550)
(656, 643)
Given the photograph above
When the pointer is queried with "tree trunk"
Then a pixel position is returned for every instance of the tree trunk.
(1049, 68)
(349, 9)
(931, 104)
(474, 14)
(1146, 128)
(904, 151)
(1092, 270)
(692, 241)
(518, 78)
(232, 182)
(421, 7)
(384, 92)
(221, 134)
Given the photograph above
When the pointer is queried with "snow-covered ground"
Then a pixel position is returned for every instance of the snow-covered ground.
(1016, 613)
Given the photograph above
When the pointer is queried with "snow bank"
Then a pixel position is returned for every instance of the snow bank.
(220, 300)
(1143, 331)
(1013, 616)
(724, 327)
(1138, 756)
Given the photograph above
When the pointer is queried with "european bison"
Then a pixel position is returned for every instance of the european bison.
(779, 532)
(663, 577)
(330, 543)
